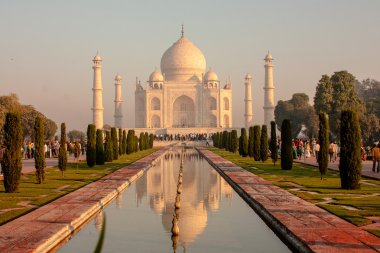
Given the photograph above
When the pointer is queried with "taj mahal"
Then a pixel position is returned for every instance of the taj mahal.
(184, 97)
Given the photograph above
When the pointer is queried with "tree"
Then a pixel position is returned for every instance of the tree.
(108, 156)
(115, 143)
(301, 115)
(124, 143)
(39, 147)
(324, 142)
(99, 147)
(336, 94)
(256, 143)
(228, 142)
(369, 126)
(234, 141)
(151, 140)
(146, 140)
(11, 164)
(62, 154)
(250, 141)
(264, 143)
(130, 142)
(244, 142)
(91, 145)
(141, 141)
(286, 145)
(135, 143)
(273, 142)
(76, 135)
(120, 141)
(350, 166)
(224, 139)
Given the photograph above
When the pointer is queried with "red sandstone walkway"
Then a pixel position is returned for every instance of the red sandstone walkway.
(316, 228)
(44, 228)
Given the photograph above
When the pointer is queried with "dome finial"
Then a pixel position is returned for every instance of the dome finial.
(182, 32)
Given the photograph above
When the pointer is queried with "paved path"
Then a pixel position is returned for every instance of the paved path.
(366, 170)
(49, 225)
(303, 225)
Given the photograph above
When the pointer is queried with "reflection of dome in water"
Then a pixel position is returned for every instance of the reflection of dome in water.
(212, 202)
(157, 202)
(192, 221)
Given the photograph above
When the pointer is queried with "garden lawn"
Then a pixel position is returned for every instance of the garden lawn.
(32, 195)
(355, 206)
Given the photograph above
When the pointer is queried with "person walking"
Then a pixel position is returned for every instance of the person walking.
(376, 158)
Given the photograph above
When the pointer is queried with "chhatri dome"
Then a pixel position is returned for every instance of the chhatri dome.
(156, 76)
(211, 76)
(182, 61)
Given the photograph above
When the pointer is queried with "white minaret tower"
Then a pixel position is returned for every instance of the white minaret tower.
(97, 90)
(248, 101)
(118, 101)
(268, 91)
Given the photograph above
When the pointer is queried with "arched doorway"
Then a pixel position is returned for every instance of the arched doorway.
(212, 119)
(183, 112)
(226, 121)
(155, 121)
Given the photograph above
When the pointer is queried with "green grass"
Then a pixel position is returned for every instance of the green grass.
(34, 195)
(308, 178)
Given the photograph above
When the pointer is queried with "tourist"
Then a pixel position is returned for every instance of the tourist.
(333, 151)
(376, 158)
(316, 149)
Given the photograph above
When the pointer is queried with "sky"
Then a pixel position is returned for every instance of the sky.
(47, 48)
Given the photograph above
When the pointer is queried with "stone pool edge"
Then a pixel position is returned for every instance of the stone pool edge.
(46, 227)
(296, 237)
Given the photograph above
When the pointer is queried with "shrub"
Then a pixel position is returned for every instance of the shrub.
(115, 143)
(286, 145)
(91, 145)
(62, 154)
(256, 142)
(264, 143)
(120, 136)
(108, 156)
(146, 140)
(130, 142)
(228, 142)
(11, 164)
(39, 149)
(350, 165)
(273, 142)
(141, 141)
(234, 141)
(124, 143)
(250, 142)
(244, 142)
(224, 139)
(323, 141)
(99, 147)
(151, 140)
(135, 143)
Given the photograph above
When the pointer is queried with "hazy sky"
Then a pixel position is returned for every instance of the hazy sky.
(47, 47)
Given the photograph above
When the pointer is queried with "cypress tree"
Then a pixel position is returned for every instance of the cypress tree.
(256, 142)
(120, 141)
(11, 164)
(234, 141)
(250, 142)
(115, 143)
(62, 155)
(91, 145)
(39, 153)
(141, 141)
(99, 147)
(224, 139)
(135, 143)
(228, 142)
(286, 145)
(124, 143)
(108, 156)
(350, 164)
(324, 142)
(130, 141)
(240, 145)
(244, 143)
(273, 143)
(146, 140)
(264, 143)
(151, 140)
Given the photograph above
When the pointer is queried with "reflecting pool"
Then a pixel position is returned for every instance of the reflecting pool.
(208, 214)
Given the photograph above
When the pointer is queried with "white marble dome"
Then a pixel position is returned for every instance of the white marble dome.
(211, 76)
(156, 76)
(183, 61)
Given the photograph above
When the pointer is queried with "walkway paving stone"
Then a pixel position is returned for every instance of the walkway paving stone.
(315, 228)
(44, 228)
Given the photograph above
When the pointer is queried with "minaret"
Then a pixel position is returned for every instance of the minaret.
(268, 91)
(248, 101)
(118, 101)
(97, 93)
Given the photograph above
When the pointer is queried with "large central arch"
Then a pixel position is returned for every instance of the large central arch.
(183, 112)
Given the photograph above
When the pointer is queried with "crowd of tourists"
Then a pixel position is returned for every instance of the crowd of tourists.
(51, 149)
(181, 137)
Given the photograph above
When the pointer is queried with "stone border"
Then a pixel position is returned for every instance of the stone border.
(303, 226)
(44, 228)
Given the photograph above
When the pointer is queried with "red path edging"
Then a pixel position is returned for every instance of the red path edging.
(302, 225)
(44, 228)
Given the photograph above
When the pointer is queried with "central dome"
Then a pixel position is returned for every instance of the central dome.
(183, 61)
